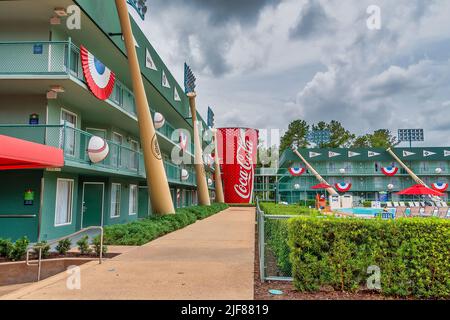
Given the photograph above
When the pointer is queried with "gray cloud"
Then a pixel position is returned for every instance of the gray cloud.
(265, 63)
(312, 21)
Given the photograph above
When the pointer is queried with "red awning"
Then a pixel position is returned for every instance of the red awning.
(419, 189)
(20, 154)
(321, 186)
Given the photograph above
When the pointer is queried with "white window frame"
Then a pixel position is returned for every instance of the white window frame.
(134, 162)
(111, 198)
(130, 203)
(71, 202)
(118, 155)
(75, 127)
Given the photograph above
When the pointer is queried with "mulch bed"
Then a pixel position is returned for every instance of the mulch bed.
(261, 289)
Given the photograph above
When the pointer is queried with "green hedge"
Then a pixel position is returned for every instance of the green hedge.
(142, 231)
(413, 254)
(292, 209)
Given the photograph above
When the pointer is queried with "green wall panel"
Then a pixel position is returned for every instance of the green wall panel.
(12, 187)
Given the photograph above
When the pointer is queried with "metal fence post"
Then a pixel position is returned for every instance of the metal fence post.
(262, 267)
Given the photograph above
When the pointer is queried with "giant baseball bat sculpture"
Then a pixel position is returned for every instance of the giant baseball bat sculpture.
(217, 174)
(202, 184)
(410, 172)
(158, 186)
(331, 191)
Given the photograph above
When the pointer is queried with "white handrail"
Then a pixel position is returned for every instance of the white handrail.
(63, 238)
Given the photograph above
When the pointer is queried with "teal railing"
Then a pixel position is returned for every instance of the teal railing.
(62, 58)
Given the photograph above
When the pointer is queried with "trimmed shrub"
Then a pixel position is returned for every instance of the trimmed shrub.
(292, 209)
(63, 246)
(145, 230)
(83, 245)
(6, 248)
(97, 244)
(45, 251)
(20, 249)
(412, 254)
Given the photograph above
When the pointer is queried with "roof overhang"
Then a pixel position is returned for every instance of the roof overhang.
(20, 154)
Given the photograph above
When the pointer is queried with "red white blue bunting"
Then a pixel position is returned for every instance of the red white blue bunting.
(296, 171)
(440, 186)
(99, 78)
(343, 186)
(389, 171)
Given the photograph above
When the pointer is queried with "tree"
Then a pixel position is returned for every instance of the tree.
(381, 138)
(339, 136)
(296, 133)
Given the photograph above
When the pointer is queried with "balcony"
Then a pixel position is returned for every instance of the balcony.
(61, 59)
(121, 160)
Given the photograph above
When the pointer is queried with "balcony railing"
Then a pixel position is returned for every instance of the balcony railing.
(174, 174)
(62, 58)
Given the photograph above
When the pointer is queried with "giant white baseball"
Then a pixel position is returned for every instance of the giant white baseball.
(98, 149)
(184, 174)
(159, 120)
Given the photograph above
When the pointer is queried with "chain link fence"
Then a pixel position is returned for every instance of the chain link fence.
(274, 251)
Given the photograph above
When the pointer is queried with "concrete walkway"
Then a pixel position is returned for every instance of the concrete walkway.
(211, 259)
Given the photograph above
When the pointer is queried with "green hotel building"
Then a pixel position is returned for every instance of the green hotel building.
(368, 173)
(45, 99)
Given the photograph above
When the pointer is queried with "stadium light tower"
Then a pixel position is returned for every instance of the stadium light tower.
(319, 137)
(410, 135)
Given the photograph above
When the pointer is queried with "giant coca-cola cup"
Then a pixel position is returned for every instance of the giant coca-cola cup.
(237, 150)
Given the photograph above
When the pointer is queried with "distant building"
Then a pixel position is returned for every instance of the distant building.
(369, 171)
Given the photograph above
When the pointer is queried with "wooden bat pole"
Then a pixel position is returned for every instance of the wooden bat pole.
(218, 177)
(202, 184)
(331, 191)
(158, 186)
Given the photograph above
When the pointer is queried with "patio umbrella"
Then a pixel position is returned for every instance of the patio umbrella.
(321, 186)
(419, 189)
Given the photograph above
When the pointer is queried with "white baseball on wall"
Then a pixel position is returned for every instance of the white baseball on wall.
(438, 170)
(184, 174)
(158, 120)
(210, 182)
(98, 149)
(390, 186)
(342, 170)
(296, 186)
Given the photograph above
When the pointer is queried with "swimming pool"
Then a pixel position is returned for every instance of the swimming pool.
(365, 212)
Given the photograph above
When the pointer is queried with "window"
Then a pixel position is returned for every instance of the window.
(132, 206)
(134, 156)
(64, 198)
(70, 119)
(116, 189)
(116, 149)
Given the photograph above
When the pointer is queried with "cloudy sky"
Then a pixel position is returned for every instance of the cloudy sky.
(263, 63)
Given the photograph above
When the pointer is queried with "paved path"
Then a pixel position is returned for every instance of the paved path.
(211, 259)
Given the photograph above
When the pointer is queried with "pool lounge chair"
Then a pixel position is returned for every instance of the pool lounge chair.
(437, 204)
(427, 211)
(411, 204)
(444, 204)
(400, 212)
(422, 204)
(416, 204)
(415, 212)
(396, 204)
(443, 212)
(388, 204)
(402, 204)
